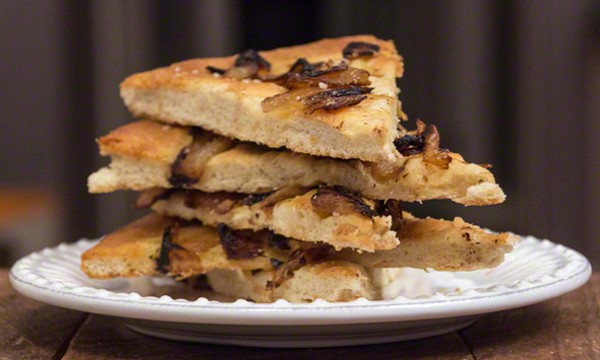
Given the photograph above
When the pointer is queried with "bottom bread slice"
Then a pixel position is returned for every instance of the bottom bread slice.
(334, 281)
(155, 245)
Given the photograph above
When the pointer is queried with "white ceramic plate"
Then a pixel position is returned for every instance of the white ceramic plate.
(535, 271)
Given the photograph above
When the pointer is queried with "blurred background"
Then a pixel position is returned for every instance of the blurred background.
(511, 83)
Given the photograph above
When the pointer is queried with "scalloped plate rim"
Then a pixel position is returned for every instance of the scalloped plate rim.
(131, 305)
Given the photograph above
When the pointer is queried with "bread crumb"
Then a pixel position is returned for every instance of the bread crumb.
(322, 85)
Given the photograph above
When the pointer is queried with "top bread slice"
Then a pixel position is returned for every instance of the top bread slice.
(143, 154)
(187, 93)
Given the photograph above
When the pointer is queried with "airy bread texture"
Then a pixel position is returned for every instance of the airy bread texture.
(294, 218)
(187, 93)
(424, 243)
(441, 245)
(332, 281)
(249, 168)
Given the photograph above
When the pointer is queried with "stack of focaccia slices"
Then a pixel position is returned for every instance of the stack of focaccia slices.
(280, 175)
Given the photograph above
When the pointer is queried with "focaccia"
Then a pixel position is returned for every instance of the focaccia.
(342, 116)
(145, 155)
(331, 280)
(155, 245)
(320, 215)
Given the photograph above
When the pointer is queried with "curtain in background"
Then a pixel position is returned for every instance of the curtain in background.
(515, 84)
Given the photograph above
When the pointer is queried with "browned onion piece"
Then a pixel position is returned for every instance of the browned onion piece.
(357, 49)
(246, 66)
(214, 70)
(279, 242)
(304, 74)
(168, 245)
(334, 99)
(189, 165)
(333, 77)
(218, 202)
(431, 149)
(409, 144)
(425, 139)
(391, 208)
(243, 244)
(330, 200)
(322, 86)
(289, 100)
(147, 198)
(300, 66)
(298, 259)
(282, 194)
(252, 199)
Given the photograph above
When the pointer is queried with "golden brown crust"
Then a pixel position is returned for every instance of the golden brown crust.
(281, 59)
(146, 139)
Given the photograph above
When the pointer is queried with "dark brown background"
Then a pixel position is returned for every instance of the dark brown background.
(512, 83)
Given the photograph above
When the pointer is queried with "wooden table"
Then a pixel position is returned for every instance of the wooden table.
(564, 328)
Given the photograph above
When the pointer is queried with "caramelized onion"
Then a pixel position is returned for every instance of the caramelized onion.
(218, 202)
(191, 160)
(409, 145)
(329, 77)
(282, 194)
(322, 86)
(252, 199)
(335, 98)
(431, 149)
(391, 208)
(357, 49)
(279, 242)
(214, 70)
(425, 139)
(167, 246)
(147, 198)
(246, 66)
(330, 200)
(290, 100)
(298, 259)
(243, 244)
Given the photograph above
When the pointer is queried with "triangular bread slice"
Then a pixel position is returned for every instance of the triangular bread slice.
(331, 280)
(342, 220)
(188, 93)
(143, 154)
(326, 215)
(155, 245)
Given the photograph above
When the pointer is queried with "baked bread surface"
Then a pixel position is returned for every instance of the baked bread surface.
(187, 93)
(249, 168)
(424, 243)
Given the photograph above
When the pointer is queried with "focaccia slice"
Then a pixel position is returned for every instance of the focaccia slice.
(328, 215)
(334, 281)
(145, 155)
(336, 116)
(157, 246)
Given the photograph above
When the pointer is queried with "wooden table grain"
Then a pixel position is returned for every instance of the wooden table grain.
(564, 328)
